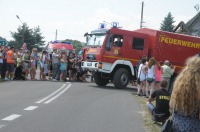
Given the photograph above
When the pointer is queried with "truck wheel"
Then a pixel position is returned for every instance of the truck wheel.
(99, 80)
(121, 78)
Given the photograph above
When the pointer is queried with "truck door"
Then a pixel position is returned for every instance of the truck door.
(113, 50)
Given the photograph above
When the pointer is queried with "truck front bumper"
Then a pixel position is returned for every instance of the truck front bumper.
(89, 65)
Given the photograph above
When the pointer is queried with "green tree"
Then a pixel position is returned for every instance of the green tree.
(77, 44)
(32, 37)
(167, 24)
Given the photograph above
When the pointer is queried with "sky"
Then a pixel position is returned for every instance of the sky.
(73, 18)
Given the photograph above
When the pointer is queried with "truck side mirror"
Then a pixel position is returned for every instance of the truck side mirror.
(109, 44)
(108, 48)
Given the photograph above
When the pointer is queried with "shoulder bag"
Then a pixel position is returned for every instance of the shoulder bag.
(168, 125)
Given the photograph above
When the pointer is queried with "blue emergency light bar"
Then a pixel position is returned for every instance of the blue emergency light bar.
(102, 25)
(114, 24)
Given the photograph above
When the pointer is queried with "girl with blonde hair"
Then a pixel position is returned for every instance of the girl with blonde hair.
(185, 99)
(150, 75)
(142, 78)
(63, 66)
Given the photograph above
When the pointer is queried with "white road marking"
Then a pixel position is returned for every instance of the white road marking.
(53, 98)
(11, 117)
(49, 96)
(31, 108)
(2, 126)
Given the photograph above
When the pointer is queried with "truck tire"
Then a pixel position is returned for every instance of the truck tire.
(121, 78)
(99, 80)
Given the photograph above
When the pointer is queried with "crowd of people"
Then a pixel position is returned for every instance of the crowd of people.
(181, 100)
(150, 73)
(59, 65)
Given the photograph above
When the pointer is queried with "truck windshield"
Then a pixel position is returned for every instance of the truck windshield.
(96, 40)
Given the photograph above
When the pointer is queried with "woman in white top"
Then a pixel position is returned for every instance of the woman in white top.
(150, 77)
(142, 77)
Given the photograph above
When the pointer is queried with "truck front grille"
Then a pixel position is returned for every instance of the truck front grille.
(91, 57)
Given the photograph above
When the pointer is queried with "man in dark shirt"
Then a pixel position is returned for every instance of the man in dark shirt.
(118, 43)
(161, 111)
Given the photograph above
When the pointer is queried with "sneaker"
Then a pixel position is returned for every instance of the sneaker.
(154, 122)
(137, 94)
(6, 79)
(11, 79)
(144, 95)
(54, 80)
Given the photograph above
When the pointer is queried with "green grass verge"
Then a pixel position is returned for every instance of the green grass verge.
(149, 125)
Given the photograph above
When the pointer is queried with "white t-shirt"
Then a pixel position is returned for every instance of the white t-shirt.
(55, 58)
(151, 72)
(141, 73)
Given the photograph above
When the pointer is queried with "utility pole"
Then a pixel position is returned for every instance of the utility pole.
(141, 22)
(22, 29)
(196, 7)
(56, 35)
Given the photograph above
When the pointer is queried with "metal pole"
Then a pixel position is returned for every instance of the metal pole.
(141, 22)
(19, 19)
(56, 34)
(22, 29)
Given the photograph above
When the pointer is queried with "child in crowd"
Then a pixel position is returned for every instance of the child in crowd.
(44, 61)
(63, 66)
(19, 60)
(26, 63)
(33, 68)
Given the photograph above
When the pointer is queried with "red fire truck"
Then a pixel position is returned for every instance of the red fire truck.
(117, 63)
(62, 45)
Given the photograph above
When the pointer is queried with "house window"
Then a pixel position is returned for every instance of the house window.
(138, 43)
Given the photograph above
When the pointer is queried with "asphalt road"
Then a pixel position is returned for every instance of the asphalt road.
(44, 106)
